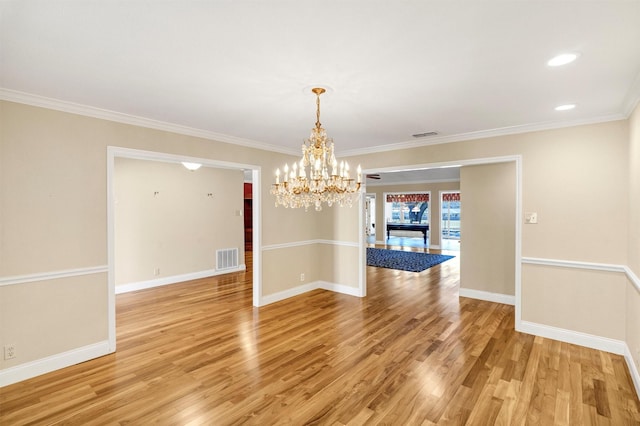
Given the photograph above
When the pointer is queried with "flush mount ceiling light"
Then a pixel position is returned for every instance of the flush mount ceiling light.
(566, 107)
(191, 166)
(297, 190)
(562, 59)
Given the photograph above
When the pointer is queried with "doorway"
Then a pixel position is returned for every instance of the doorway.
(248, 215)
(118, 152)
(515, 178)
(450, 220)
(370, 218)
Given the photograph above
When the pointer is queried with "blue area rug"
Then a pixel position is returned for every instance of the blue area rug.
(403, 260)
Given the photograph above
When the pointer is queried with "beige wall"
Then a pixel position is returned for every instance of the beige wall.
(287, 264)
(633, 292)
(564, 174)
(54, 210)
(434, 205)
(487, 228)
(340, 256)
(52, 316)
(634, 191)
(586, 301)
(343, 223)
(53, 217)
(568, 177)
(319, 262)
(179, 229)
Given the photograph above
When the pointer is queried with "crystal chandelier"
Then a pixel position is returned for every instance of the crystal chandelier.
(308, 181)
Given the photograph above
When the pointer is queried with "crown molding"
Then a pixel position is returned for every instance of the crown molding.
(633, 97)
(483, 134)
(70, 107)
(118, 117)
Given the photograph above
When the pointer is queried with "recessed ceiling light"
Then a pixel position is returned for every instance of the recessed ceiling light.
(562, 59)
(566, 107)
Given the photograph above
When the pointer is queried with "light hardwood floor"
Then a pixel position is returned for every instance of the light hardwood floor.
(410, 353)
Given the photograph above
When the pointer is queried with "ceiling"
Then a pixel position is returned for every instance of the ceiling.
(447, 174)
(241, 71)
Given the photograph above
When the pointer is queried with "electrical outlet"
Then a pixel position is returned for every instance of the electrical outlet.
(301, 277)
(156, 272)
(531, 218)
(9, 351)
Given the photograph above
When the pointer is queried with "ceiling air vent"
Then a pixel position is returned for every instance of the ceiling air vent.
(422, 135)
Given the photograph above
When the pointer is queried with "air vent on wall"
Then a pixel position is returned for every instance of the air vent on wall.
(422, 135)
(227, 258)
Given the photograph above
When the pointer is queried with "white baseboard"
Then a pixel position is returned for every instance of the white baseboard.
(633, 369)
(51, 363)
(298, 290)
(295, 291)
(576, 337)
(141, 285)
(505, 299)
(340, 288)
(605, 344)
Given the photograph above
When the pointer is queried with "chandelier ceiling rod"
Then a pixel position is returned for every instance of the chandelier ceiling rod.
(318, 91)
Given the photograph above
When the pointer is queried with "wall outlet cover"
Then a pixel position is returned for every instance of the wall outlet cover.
(531, 218)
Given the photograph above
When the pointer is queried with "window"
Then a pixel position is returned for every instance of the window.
(450, 208)
(407, 207)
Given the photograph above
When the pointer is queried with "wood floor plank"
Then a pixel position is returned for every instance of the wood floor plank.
(412, 352)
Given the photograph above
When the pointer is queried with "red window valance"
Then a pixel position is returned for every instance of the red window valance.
(407, 198)
(455, 196)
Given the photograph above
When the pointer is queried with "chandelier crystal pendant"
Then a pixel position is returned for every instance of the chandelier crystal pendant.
(308, 182)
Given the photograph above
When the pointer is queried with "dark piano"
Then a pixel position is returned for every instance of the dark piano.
(422, 227)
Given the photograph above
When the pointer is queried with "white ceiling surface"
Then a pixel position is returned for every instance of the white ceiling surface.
(448, 174)
(242, 70)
